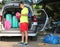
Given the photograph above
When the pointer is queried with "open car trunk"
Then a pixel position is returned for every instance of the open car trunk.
(12, 11)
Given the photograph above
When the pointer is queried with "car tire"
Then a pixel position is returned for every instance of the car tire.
(1, 38)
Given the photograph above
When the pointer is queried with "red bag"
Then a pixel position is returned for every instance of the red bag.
(7, 24)
(17, 15)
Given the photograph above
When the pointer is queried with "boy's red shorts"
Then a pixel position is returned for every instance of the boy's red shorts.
(23, 27)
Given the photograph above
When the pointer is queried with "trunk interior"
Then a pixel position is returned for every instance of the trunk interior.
(13, 12)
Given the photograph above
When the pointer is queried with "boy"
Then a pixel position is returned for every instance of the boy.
(24, 23)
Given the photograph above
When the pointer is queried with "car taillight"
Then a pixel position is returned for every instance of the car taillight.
(34, 19)
(0, 18)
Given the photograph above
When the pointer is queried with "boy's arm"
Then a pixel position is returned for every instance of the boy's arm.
(24, 14)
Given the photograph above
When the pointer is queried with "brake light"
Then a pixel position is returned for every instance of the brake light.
(0, 18)
(34, 19)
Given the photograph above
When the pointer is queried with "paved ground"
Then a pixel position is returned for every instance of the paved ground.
(12, 42)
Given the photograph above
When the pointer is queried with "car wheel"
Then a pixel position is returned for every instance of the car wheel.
(1, 38)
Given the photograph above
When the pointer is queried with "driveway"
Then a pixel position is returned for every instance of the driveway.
(13, 42)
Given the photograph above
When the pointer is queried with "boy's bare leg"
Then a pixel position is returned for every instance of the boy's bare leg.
(26, 36)
(22, 36)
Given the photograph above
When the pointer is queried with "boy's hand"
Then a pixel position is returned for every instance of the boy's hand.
(24, 14)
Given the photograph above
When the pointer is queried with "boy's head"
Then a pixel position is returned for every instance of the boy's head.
(21, 5)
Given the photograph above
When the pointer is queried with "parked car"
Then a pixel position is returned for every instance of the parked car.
(52, 7)
(12, 7)
(53, 10)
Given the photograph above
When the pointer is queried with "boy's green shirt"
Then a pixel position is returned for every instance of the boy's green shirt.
(24, 18)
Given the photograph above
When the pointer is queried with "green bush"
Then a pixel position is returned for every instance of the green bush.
(1, 6)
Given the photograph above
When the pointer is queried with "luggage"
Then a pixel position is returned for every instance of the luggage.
(7, 25)
(17, 15)
(8, 17)
(15, 23)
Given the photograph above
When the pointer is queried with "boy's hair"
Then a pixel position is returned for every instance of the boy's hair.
(21, 3)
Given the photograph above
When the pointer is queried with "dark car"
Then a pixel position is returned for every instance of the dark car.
(52, 7)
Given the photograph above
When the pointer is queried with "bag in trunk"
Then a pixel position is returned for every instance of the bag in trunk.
(15, 22)
(8, 17)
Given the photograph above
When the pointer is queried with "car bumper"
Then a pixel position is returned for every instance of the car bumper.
(16, 34)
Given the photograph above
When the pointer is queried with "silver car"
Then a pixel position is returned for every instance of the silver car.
(12, 7)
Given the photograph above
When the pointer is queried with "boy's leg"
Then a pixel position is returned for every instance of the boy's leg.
(22, 42)
(26, 33)
(22, 36)
(26, 36)
(21, 29)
